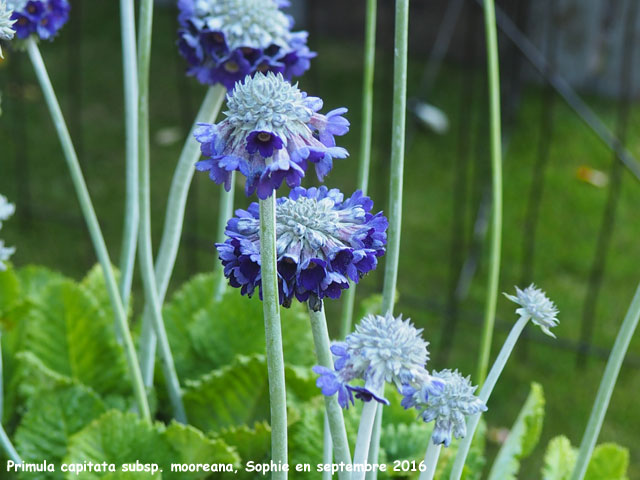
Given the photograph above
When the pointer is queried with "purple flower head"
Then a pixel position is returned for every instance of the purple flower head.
(383, 349)
(323, 241)
(43, 18)
(224, 40)
(446, 398)
(272, 132)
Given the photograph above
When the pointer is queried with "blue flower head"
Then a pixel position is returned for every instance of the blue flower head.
(382, 349)
(536, 306)
(6, 210)
(272, 132)
(448, 405)
(323, 241)
(6, 24)
(43, 18)
(225, 40)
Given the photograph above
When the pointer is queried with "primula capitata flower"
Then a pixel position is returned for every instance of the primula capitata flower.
(383, 349)
(536, 306)
(6, 210)
(271, 133)
(323, 241)
(40, 17)
(448, 405)
(225, 40)
(6, 24)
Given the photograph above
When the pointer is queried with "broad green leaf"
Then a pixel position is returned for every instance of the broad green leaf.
(9, 291)
(559, 459)
(191, 446)
(239, 394)
(404, 442)
(120, 439)
(70, 337)
(523, 437)
(51, 419)
(306, 438)
(94, 284)
(250, 443)
(608, 462)
(34, 280)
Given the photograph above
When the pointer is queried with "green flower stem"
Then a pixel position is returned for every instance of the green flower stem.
(144, 190)
(5, 442)
(431, 461)
(333, 409)
(174, 220)
(496, 173)
(361, 454)
(273, 333)
(92, 225)
(132, 209)
(394, 213)
(365, 141)
(607, 384)
(485, 393)
(327, 447)
(225, 212)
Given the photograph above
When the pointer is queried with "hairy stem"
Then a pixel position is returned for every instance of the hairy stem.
(224, 214)
(363, 441)
(431, 460)
(273, 333)
(496, 176)
(92, 225)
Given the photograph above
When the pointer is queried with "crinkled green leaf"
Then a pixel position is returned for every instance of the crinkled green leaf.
(559, 459)
(35, 279)
(523, 437)
(608, 462)
(51, 419)
(94, 284)
(70, 337)
(239, 393)
(251, 443)
(9, 291)
(306, 438)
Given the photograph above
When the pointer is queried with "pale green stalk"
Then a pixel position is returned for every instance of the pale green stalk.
(394, 214)
(605, 390)
(327, 447)
(131, 209)
(273, 333)
(174, 220)
(365, 430)
(496, 173)
(225, 212)
(144, 190)
(92, 225)
(5, 442)
(333, 409)
(431, 460)
(365, 141)
(485, 393)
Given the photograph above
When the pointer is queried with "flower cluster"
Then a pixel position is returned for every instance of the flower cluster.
(448, 407)
(41, 17)
(271, 133)
(536, 306)
(6, 23)
(225, 40)
(6, 210)
(323, 241)
(382, 349)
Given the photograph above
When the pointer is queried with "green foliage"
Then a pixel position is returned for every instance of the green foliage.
(52, 417)
(523, 437)
(608, 462)
(251, 443)
(559, 459)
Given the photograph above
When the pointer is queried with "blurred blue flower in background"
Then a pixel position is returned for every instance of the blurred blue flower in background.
(41, 17)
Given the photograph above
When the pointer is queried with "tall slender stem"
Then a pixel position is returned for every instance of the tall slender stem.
(496, 174)
(132, 209)
(607, 384)
(485, 393)
(334, 412)
(365, 139)
(327, 447)
(144, 190)
(363, 441)
(273, 333)
(174, 220)
(431, 460)
(396, 186)
(225, 211)
(93, 226)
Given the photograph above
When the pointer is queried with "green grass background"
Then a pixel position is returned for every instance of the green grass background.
(570, 219)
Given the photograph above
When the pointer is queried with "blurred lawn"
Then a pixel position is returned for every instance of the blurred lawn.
(570, 217)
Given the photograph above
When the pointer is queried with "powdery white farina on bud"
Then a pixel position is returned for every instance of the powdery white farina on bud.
(536, 306)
